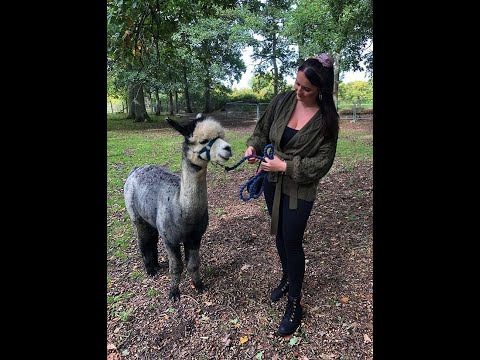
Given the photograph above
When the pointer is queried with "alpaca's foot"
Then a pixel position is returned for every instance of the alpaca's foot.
(199, 286)
(152, 270)
(174, 294)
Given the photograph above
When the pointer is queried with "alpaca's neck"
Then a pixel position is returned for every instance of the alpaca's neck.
(193, 190)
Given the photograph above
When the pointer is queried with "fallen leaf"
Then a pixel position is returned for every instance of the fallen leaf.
(294, 341)
(245, 267)
(226, 340)
(259, 355)
(111, 347)
(243, 339)
(344, 299)
(366, 339)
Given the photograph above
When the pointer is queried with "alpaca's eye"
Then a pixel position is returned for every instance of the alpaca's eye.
(203, 142)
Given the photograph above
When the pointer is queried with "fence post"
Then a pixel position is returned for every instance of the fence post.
(354, 111)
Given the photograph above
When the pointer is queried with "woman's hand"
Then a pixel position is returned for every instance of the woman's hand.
(276, 164)
(251, 151)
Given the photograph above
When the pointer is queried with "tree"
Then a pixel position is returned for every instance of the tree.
(125, 45)
(344, 28)
(145, 38)
(272, 50)
(214, 48)
(264, 86)
(356, 90)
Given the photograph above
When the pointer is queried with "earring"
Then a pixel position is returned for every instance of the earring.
(320, 97)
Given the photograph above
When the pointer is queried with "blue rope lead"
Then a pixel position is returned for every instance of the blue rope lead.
(254, 185)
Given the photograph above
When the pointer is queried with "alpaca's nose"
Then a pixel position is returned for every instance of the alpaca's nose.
(228, 148)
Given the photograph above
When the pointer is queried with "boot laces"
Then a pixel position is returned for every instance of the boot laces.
(294, 310)
(291, 310)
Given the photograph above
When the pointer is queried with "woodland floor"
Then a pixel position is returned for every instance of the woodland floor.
(234, 318)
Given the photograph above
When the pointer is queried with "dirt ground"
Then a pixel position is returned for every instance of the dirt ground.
(234, 318)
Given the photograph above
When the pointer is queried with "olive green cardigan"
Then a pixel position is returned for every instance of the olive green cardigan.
(308, 155)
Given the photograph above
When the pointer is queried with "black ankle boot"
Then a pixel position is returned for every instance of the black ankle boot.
(292, 317)
(280, 290)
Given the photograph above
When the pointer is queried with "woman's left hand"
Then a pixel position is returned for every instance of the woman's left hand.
(276, 164)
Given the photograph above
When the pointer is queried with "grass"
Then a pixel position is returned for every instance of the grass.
(353, 146)
(132, 144)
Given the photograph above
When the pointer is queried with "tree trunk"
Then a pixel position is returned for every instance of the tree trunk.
(170, 102)
(207, 107)
(185, 88)
(336, 76)
(137, 107)
(176, 102)
(111, 106)
(158, 105)
(275, 67)
(130, 107)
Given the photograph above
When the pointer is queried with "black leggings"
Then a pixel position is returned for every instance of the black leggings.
(291, 226)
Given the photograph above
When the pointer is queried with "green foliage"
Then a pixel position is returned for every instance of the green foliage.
(356, 90)
(263, 84)
(197, 45)
(245, 95)
(271, 48)
(125, 315)
(152, 292)
(169, 50)
(341, 27)
(136, 275)
(116, 300)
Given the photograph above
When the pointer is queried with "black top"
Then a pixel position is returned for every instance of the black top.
(287, 135)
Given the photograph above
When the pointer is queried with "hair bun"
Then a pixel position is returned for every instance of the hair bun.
(325, 59)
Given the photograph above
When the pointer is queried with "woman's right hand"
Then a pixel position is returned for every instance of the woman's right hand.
(251, 151)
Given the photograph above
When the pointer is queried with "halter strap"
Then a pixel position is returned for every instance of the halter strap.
(206, 148)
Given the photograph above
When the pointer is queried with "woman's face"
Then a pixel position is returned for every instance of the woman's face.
(306, 92)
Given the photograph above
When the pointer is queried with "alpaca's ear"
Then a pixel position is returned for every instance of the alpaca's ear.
(181, 129)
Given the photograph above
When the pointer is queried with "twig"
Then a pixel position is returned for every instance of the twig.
(188, 296)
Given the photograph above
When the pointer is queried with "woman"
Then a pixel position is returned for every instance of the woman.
(302, 126)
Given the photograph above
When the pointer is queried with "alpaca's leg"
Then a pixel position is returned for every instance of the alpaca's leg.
(148, 243)
(192, 258)
(175, 267)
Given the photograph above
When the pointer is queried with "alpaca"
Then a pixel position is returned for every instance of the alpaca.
(174, 207)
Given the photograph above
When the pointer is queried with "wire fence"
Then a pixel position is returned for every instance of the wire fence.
(244, 111)
(356, 110)
(240, 110)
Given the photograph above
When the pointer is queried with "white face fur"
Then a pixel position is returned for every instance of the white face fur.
(206, 130)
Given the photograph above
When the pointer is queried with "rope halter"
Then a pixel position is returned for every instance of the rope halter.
(206, 148)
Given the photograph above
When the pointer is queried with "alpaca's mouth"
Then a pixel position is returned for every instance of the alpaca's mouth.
(224, 158)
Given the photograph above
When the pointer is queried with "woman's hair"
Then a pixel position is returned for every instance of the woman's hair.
(322, 77)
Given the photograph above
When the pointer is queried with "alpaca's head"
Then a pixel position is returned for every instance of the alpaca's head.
(203, 141)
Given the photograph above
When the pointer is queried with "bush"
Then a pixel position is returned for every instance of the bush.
(359, 111)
